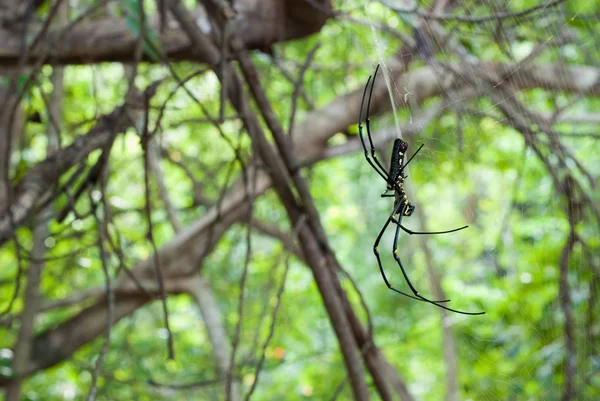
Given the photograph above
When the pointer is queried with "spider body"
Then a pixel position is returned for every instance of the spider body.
(397, 177)
(394, 178)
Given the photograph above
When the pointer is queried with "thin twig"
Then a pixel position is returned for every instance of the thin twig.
(238, 326)
(150, 233)
(298, 86)
(459, 18)
(110, 299)
(293, 235)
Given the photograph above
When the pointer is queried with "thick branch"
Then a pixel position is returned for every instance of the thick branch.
(46, 174)
(259, 23)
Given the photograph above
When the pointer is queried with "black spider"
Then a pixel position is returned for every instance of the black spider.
(402, 207)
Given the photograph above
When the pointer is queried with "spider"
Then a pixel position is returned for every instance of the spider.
(402, 207)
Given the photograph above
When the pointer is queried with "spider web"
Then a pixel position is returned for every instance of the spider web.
(510, 257)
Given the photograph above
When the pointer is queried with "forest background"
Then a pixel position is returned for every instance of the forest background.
(186, 211)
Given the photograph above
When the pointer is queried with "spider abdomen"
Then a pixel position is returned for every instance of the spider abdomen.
(398, 152)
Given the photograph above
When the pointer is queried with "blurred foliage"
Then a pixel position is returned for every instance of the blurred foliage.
(506, 263)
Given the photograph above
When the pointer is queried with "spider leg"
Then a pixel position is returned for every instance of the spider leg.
(377, 167)
(395, 251)
(368, 120)
(387, 283)
(413, 155)
(436, 303)
(411, 232)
